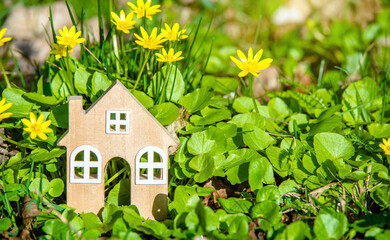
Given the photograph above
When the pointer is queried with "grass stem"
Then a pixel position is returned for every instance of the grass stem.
(251, 79)
(142, 69)
(5, 75)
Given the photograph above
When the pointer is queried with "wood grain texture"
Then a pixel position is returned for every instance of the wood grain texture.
(89, 128)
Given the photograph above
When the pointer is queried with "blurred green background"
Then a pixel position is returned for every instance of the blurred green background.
(306, 38)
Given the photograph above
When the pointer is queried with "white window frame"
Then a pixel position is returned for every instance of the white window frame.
(117, 122)
(151, 165)
(86, 164)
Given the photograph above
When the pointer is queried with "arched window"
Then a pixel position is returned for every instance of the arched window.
(151, 166)
(85, 165)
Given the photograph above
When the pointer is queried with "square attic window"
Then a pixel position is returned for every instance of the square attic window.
(117, 122)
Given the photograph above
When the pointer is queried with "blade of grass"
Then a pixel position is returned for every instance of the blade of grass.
(205, 36)
(320, 74)
(384, 100)
(257, 31)
(71, 15)
(100, 19)
(82, 50)
(207, 60)
(191, 47)
(52, 25)
(18, 68)
(362, 110)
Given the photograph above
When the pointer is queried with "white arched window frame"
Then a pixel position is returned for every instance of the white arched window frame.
(86, 164)
(150, 165)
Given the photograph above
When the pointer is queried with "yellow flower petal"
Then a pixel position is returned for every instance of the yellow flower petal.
(258, 55)
(175, 27)
(33, 119)
(387, 143)
(2, 32)
(177, 54)
(72, 30)
(5, 107)
(41, 135)
(40, 119)
(243, 73)
(144, 33)
(169, 57)
(154, 33)
(27, 129)
(237, 62)
(33, 135)
(255, 74)
(46, 124)
(47, 130)
(5, 115)
(115, 17)
(250, 54)
(144, 9)
(134, 7)
(141, 43)
(137, 36)
(150, 42)
(168, 29)
(6, 39)
(241, 55)
(69, 38)
(26, 122)
(251, 64)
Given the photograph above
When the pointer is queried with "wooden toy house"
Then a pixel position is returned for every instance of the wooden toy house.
(116, 125)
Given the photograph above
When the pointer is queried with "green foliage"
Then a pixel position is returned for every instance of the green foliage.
(330, 225)
(307, 165)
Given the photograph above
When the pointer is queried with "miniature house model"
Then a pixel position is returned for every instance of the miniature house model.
(116, 125)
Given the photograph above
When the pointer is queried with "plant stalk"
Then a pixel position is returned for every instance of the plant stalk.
(165, 83)
(251, 93)
(142, 69)
(5, 75)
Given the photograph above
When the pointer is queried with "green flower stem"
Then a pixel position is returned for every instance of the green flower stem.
(65, 59)
(174, 81)
(5, 200)
(5, 75)
(251, 93)
(123, 49)
(116, 52)
(14, 142)
(142, 69)
(165, 83)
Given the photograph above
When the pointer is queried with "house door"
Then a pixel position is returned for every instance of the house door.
(117, 182)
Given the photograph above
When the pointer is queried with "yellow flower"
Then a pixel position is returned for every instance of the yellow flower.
(386, 146)
(169, 57)
(173, 34)
(69, 38)
(4, 107)
(144, 9)
(36, 127)
(151, 42)
(251, 64)
(123, 23)
(60, 50)
(4, 40)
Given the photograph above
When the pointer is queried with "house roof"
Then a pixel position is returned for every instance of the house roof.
(116, 84)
